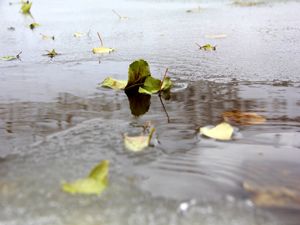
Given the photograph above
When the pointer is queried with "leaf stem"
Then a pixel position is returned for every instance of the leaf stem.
(198, 45)
(151, 134)
(162, 81)
(120, 17)
(18, 55)
(100, 38)
(168, 118)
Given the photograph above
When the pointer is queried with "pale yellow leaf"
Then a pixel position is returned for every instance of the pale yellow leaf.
(223, 131)
(215, 36)
(101, 50)
(114, 84)
(138, 143)
(79, 34)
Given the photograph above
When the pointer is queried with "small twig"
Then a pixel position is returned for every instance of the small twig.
(164, 108)
(100, 38)
(164, 77)
(162, 81)
(120, 17)
(18, 55)
(134, 85)
(198, 45)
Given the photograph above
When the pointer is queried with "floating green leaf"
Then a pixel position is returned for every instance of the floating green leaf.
(139, 80)
(151, 86)
(114, 84)
(223, 131)
(10, 57)
(137, 73)
(51, 53)
(32, 26)
(207, 47)
(138, 143)
(94, 183)
(26, 6)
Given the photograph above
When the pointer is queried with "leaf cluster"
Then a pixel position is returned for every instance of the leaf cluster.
(139, 80)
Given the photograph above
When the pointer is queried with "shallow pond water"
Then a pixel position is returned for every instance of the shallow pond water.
(55, 124)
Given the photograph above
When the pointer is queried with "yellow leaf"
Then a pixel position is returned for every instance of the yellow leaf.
(223, 131)
(46, 37)
(26, 6)
(216, 36)
(32, 26)
(94, 183)
(79, 34)
(114, 84)
(243, 118)
(101, 50)
(138, 143)
(84, 186)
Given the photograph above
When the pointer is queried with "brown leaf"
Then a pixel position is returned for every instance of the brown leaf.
(279, 197)
(243, 118)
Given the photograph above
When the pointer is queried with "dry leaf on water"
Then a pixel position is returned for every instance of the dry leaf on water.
(243, 118)
(222, 131)
(216, 36)
(101, 49)
(138, 143)
(114, 84)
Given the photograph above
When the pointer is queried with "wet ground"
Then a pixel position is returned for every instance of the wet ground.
(55, 124)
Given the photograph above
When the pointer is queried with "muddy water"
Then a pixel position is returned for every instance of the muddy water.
(55, 124)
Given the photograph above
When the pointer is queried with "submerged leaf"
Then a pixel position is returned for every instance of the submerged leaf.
(223, 131)
(101, 50)
(114, 84)
(95, 183)
(280, 197)
(32, 26)
(138, 143)
(137, 73)
(243, 118)
(26, 6)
